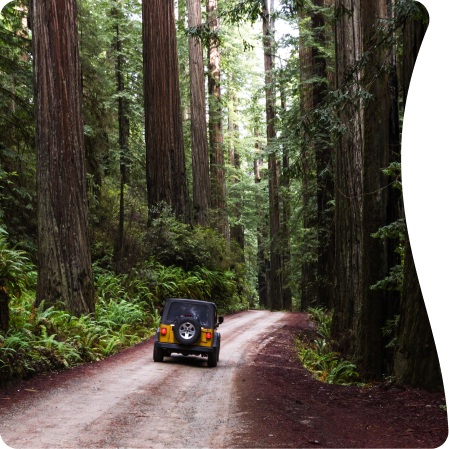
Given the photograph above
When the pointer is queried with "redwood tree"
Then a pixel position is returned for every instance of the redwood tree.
(376, 146)
(217, 162)
(200, 150)
(165, 157)
(273, 181)
(237, 231)
(308, 266)
(64, 262)
(123, 129)
(416, 360)
(324, 167)
(348, 182)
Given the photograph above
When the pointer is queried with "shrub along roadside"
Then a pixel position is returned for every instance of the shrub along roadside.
(314, 352)
(127, 311)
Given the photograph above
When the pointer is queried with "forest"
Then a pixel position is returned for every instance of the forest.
(246, 152)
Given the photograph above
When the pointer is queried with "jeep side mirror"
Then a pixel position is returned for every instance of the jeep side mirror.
(220, 320)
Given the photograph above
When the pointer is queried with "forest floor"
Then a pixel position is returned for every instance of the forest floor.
(258, 396)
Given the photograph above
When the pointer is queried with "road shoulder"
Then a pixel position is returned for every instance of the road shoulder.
(282, 405)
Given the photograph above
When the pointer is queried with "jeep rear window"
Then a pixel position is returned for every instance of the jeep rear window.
(198, 311)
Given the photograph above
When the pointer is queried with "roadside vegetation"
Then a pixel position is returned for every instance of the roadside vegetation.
(127, 311)
(314, 351)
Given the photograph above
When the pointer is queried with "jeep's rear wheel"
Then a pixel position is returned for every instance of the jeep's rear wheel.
(187, 330)
(158, 354)
(212, 359)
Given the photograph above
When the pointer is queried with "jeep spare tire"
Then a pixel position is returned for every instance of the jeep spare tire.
(187, 330)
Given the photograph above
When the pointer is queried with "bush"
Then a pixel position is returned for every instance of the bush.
(317, 357)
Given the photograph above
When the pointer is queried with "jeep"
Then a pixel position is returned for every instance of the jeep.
(188, 327)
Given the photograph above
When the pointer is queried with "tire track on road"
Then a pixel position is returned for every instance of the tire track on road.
(177, 403)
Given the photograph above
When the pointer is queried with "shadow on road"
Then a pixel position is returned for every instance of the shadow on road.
(200, 362)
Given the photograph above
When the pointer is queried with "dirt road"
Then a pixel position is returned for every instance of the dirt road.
(258, 396)
(130, 401)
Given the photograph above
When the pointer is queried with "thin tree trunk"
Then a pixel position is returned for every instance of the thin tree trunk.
(308, 266)
(374, 205)
(416, 359)
(200, 150)
(64, 269)
(217, 163)
(237, 231)
(348, 183)
(165, 157)
(123, 125)
(395, 205)
(325, 182)
(261, 254)
(286, 213)
(273, 182)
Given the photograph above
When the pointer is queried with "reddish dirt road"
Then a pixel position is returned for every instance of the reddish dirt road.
(258, 396)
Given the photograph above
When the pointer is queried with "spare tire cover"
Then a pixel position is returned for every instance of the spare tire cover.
(187, 330)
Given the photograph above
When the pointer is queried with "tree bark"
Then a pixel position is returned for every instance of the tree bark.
(273, 182)
(261, 253)
(416, 359)
(376, 128)
(395, 205)
(237, 231)
(200, 150)
(348, 182)
(287, 298)
(324, 166)
(123, 126)
(217, 162)
(308, 265)
(165, 157)
(64, 268)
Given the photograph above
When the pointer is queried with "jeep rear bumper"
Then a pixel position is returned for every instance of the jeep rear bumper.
(184, 349)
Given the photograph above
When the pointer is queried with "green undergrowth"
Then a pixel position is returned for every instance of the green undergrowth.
(314, 352)
(127, 311)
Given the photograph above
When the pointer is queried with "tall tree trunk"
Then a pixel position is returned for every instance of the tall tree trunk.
(200, 150)
(65, 269)
(416, 360)
(217, 162)
(183, 69)
(165, 157)
(308, 266)
(324, 167)
(237, 231)
(395, 205)
(348, 182)
(123, 126)
(370, 347)
(273, 182)
(261, 254)
(287, 298)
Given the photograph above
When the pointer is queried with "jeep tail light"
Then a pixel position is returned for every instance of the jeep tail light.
(208, 335)
(164, 331)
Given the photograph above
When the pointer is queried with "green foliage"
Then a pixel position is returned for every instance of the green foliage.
(14, 267)
(317, 357)
(390, 330)
(17, 155)
(127, 311)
